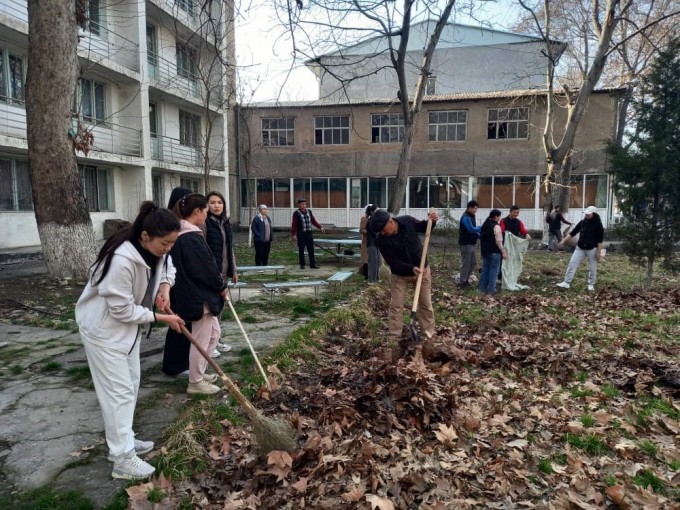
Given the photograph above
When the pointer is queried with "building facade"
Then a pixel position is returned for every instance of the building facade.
(479, 134)
(154, 93)
(484, 146)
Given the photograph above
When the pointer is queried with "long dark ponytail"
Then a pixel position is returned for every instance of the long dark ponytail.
(151, 219)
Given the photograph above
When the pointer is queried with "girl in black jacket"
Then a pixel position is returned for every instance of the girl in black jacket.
(199, 292)
(220, 240)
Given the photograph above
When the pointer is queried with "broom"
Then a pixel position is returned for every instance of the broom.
(270, 434)
(252, 350)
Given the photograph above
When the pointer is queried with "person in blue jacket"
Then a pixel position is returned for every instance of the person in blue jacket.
(467, 241)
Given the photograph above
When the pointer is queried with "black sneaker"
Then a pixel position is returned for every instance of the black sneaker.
(302, 267)
(313, 267)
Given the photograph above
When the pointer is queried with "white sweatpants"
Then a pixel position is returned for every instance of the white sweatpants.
(576, 260)
(116, 381)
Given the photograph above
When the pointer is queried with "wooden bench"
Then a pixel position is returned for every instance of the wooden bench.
(340, 277)
(273, 287)
(238, 286)
(246, 269)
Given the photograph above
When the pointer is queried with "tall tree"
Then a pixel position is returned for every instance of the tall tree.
(64, 223)
(592, 43)
(390, 22)
(647, 171)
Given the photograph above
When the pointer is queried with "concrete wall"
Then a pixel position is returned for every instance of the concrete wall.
(476, 156)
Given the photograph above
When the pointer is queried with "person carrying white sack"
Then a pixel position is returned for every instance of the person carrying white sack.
(131, 272)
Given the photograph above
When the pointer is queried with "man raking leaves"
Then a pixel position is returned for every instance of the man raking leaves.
(402, 249)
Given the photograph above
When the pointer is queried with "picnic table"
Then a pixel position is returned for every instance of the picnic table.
(246, 269)
(336, 246)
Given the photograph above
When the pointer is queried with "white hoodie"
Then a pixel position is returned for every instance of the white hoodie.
(109, 313)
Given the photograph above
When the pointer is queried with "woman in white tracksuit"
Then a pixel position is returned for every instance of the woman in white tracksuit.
(132, 271)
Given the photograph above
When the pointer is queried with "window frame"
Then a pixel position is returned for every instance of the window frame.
(18, 196)
(447, 126)
(191, 183)
(10, 93)
(186, 59)
(92, 189)
(91, 86)
(390, 123)
(503, 123)
(271, 126)
(338, 133)
(190, 135)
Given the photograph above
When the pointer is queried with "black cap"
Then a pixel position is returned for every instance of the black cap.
(377, 221)
(301, 199)
(176, 194)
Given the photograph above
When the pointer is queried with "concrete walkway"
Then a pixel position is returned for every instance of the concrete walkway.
(51, 429)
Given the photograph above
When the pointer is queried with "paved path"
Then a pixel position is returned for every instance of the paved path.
(50, 418)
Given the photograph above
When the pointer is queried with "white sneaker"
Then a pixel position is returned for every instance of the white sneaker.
(591, 288)
(215, 354)
(183, 375)
(202, 388)
(130, 467)
(141, 447)
(221, 346)
(211, 378)
(563, 285)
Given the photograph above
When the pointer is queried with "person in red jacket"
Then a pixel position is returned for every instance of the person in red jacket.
(301, 231)
(511, 223)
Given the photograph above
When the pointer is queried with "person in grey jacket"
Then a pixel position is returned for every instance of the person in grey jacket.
(131, 272)
(263, 235)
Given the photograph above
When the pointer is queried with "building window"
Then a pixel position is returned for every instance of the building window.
(186, 62)
(358, 194)
(157, 190)
(447, 126)
(94, 17)
(320, 193)
(387, 128)
(15, 186)
(331, 130)
(193, 184)
(431, 87)
(189, 129)
(507, 123)
(186, 6)
(264, 191)
(281, 193)
(377, 191)
(338, 192)
(90, 95)
(98, 187)
(11, 78)
(278, 132)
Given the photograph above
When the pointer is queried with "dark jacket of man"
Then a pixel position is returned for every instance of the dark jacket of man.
(402, 251)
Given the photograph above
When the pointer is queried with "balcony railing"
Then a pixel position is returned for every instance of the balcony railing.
(12, 118)
(15, 8)
(104, 43)
(164, 74)
(116, 139)
(172, 150)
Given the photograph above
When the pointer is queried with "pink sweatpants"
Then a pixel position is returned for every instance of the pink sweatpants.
(207, 331)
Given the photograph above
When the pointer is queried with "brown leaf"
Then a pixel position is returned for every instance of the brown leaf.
(300, 485)
(617, 494)
(354, 494)
(379, 503)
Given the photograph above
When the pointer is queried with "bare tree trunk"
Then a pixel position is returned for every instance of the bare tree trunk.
(64, 223)
(402, 171)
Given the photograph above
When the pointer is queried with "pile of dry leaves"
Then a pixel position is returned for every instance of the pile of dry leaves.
(543, 403)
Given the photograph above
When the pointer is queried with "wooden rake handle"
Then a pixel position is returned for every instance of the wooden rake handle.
(423, 257)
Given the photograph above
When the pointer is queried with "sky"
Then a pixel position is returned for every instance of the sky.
(264, 51)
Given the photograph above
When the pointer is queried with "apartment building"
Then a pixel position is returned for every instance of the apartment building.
(476, 138)
(153, 92)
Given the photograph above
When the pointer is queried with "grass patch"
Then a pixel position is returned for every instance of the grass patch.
(155, 495)
(649, 447)
(545, 466)
(647, 478)
(46, 499)
(610, 480)
(16, 369)
(51, 366)
(80, 372)
(610, 391)
(589, 443)
(587, 421)
(579, 392)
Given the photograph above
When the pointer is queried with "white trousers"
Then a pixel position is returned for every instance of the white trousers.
(116, 381)
(576, 260)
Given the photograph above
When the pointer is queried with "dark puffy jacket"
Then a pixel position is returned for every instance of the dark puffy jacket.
(218, 236)
(197, 280)
(258, 229)
(402, 251)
